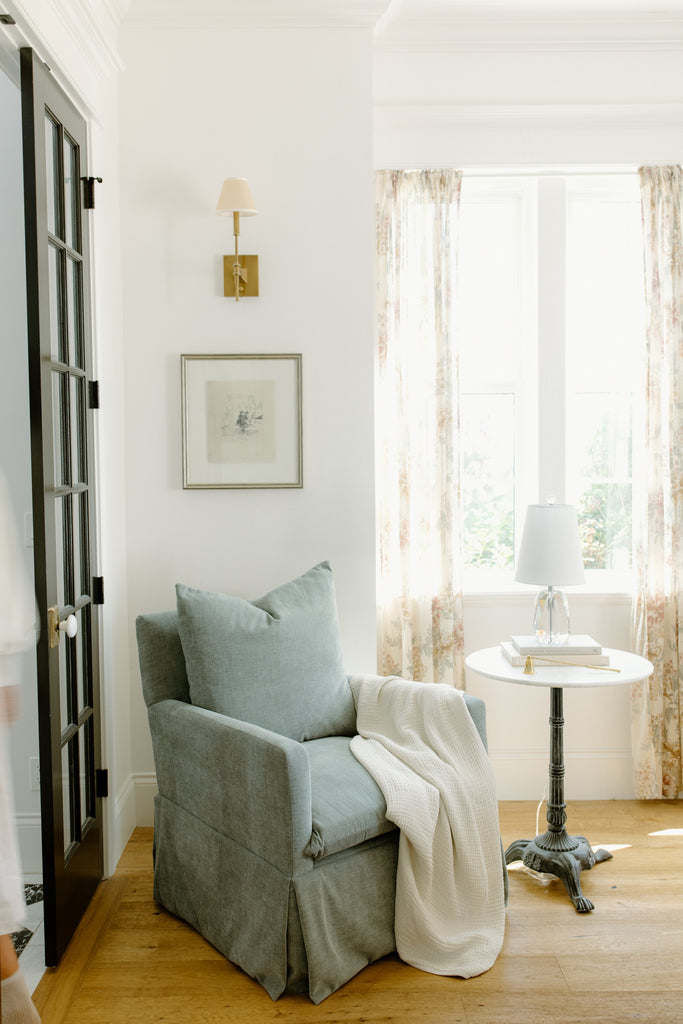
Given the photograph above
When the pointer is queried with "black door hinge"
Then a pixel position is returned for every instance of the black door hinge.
(89, 192)
(94, 394)
(7, 19)
(98, 590)
(101, 782)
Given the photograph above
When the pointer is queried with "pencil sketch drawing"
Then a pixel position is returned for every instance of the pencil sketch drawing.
(241, 421)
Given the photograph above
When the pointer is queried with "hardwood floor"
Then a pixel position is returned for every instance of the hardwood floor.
(130, 961)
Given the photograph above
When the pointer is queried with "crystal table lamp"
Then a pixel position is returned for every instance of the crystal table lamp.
(550, 556)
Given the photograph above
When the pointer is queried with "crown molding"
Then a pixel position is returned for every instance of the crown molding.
(452, 117)
(73, 26)
(254, 13)
(77, 39)
(542, 32)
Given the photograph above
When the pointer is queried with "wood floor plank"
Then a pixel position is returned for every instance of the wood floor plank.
(648, 1007)
(59, 986)
(133, 963)
(605, 972)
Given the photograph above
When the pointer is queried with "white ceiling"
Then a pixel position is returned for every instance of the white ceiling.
(443, 23)
(453, 8)
(446, 24)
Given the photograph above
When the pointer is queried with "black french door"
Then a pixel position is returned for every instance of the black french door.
(61, 392)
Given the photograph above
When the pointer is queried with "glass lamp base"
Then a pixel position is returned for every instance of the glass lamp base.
(551, 617)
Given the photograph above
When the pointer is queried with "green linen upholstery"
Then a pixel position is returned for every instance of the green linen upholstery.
(275, 662)
(347, 805)
(277, 851)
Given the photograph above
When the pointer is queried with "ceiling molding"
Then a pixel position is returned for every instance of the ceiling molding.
(88, 29)
(254, 13)
(628, 32)
(549, 116)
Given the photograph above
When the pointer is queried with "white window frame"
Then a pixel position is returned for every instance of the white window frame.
(542, 202)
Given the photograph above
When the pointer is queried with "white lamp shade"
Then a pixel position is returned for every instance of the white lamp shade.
(550, 552)
(236, 197)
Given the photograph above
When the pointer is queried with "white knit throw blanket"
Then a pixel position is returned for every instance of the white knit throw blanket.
(422, 748)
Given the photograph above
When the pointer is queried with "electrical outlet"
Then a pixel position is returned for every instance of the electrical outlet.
(34, 772)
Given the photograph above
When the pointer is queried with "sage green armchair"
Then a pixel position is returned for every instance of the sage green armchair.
(270, 838)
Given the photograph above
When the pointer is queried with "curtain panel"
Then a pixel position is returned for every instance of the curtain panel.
(417, 419)
(657, 707)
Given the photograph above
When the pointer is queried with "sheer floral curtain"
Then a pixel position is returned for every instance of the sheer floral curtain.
(419, 500)
(658, 519)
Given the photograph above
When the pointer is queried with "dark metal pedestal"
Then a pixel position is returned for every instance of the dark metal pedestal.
(556, 851)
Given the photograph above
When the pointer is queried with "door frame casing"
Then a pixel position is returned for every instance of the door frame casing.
(80, 44)
(69, 883)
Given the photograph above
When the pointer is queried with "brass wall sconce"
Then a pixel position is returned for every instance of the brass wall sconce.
(240, 273)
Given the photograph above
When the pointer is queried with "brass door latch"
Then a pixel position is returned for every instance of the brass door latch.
(55, 628)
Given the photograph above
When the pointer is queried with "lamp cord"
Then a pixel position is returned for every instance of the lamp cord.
(541, 802)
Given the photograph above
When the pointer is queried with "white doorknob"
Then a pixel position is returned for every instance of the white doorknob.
(69, 626)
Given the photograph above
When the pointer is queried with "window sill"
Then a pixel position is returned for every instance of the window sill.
(512, 593)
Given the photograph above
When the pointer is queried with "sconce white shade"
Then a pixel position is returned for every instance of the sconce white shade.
(550, 552)
(236, 197)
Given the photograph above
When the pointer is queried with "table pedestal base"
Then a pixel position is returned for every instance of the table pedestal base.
(560, 854)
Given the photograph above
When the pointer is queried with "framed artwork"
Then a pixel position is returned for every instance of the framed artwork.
(241, 421)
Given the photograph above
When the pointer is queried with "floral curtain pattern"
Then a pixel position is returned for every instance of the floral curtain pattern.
(657, 703)
(417, 402)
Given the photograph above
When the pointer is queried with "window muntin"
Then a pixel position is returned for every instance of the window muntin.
(551, 324)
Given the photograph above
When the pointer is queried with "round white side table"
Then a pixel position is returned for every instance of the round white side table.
(556, 851)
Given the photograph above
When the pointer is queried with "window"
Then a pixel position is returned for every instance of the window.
(551, 327)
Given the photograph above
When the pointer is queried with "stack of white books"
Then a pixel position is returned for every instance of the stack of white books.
(578, 649)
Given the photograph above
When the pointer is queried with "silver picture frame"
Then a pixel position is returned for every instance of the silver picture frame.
(241, 421)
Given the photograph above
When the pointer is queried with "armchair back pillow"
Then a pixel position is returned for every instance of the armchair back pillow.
(275, 662)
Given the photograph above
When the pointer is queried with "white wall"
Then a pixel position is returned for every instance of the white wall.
(496, 108)
(15, 454)
(290, 110)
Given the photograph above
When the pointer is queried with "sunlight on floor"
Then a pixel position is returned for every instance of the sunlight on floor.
(668, 832)
(610, 847)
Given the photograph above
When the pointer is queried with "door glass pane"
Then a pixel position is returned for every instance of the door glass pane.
(71, 192)
(67, 805)
(54, 220)
(60, 526)
(83, 641)
(60, 419)
(65, 716)
(85, 740)
(74, 318)
(67, 549)
(77, 409)
(77, 546)
(58, 340)
(488, 444)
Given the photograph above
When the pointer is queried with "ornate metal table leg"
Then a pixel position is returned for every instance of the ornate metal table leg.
(556, 851)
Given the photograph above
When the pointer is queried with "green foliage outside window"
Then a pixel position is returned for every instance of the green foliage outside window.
(605, 506)
(489, 522)
(605, 526)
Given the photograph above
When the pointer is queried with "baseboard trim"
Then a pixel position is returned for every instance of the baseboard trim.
(29, 834)
(145, 786)
(589, 774)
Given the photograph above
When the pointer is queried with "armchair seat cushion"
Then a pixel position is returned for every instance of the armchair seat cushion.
(347, 804)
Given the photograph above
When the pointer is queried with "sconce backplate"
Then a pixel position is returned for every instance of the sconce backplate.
(248, 276)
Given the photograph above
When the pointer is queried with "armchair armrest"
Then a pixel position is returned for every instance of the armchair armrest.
(475, 706)
(250, 784)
